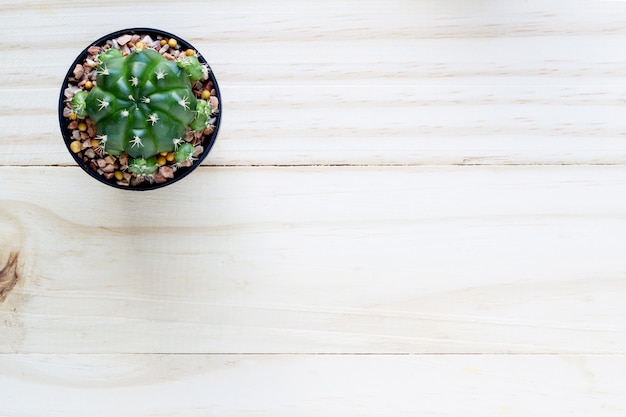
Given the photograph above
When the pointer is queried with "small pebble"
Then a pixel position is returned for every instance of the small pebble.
(76, 146)
(197, 151)
(79, 71)
(148, 41)
(91, 128)
(166, 171)
(123, 160)
(158, 178)
(70, 91)
(124, 39)
(213, 100)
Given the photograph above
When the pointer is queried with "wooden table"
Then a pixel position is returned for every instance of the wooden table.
(413, 208)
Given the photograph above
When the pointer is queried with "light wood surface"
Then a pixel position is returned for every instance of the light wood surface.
(413, 208)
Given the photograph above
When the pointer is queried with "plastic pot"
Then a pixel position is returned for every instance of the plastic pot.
(84, 162)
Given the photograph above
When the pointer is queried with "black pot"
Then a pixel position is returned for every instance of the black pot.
(67, 133)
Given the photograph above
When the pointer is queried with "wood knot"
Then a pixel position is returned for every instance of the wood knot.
(9, 275)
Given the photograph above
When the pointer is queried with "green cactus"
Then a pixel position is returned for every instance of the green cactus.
(143, 166)
(78, 103)
(184, 153)
(142, 104)
(192, 67)
(203, 113)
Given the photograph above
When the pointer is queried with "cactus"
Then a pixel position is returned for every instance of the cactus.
(78, 103)
(192, 67)
(184, 153)
(142, 104)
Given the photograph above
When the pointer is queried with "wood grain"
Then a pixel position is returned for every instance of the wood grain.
(262, 385)
(320, 259)
(400, 82)
(413, 208)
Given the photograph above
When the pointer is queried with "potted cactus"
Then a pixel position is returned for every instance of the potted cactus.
(139, 109)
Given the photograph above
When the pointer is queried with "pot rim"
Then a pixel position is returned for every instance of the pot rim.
(145, 185)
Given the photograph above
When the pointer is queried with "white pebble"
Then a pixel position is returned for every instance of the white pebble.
(124, 39)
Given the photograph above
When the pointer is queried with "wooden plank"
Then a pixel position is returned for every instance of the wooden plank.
(318, 259)
(424, 125)
(342, 82)
(370, 385)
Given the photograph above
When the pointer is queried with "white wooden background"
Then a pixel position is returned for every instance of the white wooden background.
(413, 208)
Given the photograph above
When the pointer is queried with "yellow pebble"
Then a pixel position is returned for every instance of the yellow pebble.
(88, 85)
(119, 175)
(169, 157)
(95, 143)
(163, 42)
(73, 116)
(205, 94)
(163, 153)
(161, 160)
(82, 126)
(140, 46)
(76, 146)
(172, 43)
(190, 52)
